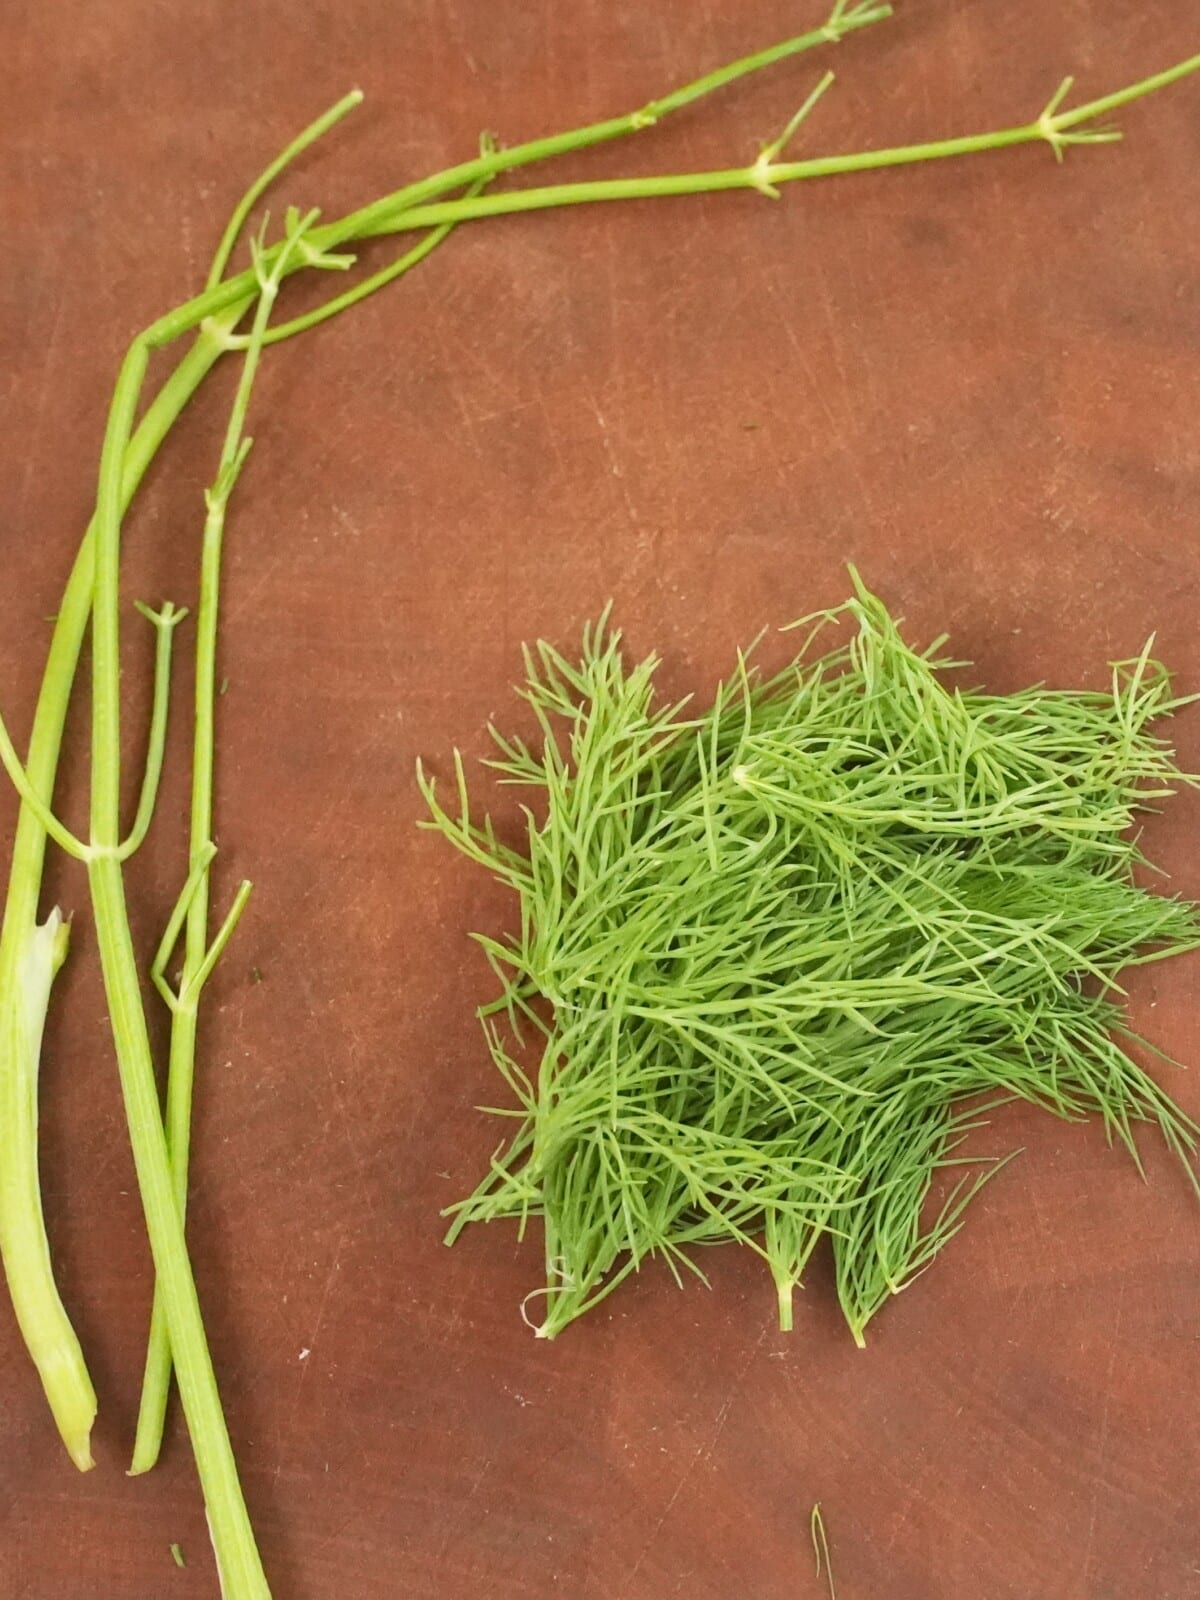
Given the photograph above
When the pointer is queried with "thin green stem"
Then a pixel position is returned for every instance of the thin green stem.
(193, 906)
(238, 1561)
(772, 151)
(45, 1326)
(1123, 97)
(407, 210)
(106, 673)
(758, 175)
(195, 987)
(378, 218)
(161, 1186)
(269, 174)
(360, 291)
(174, 926)
(365, 222)
(58, 831)
(164, 623)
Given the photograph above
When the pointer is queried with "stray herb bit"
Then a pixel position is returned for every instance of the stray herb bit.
(821, 1548)
(779, 959)
(177, 1556)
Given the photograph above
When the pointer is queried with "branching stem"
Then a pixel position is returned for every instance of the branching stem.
(45, 1326)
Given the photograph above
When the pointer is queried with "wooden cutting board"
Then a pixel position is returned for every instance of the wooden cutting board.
(978, 381)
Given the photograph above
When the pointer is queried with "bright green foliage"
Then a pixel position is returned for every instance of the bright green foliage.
(783, 956)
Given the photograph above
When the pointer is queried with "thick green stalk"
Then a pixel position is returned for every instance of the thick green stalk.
(44, 1323)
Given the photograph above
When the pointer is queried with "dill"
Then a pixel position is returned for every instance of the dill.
(777, 960)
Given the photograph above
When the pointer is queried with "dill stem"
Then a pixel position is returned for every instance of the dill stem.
(237, 1557)
(363, 224)
(410, 212)
(163, 1184)
(156, 1378)
(760, 176)
(198, 953)
(24, 1245)
(414, 208)
(308, 136)
(196, 963)
(184, 1013)
(45, 1326)
(28, 970)
(1101, 106)
(378, 217)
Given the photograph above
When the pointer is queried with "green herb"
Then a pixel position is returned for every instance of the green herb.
(177, 1556)
(780, 958)
(820, 1545)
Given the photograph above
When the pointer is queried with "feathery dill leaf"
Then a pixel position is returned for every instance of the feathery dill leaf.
(784, 955)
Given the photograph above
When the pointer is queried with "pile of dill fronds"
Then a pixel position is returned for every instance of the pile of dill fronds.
(776, 960)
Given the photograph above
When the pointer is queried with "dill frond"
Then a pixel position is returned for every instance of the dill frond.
(786, 954)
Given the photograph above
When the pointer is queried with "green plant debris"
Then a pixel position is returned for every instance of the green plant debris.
(177, 1555)
(820, 1544)
(777, 960)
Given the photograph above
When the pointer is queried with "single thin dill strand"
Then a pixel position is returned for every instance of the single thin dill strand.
(820, 1544)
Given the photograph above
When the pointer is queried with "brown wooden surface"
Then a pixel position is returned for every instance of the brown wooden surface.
(978, 382)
